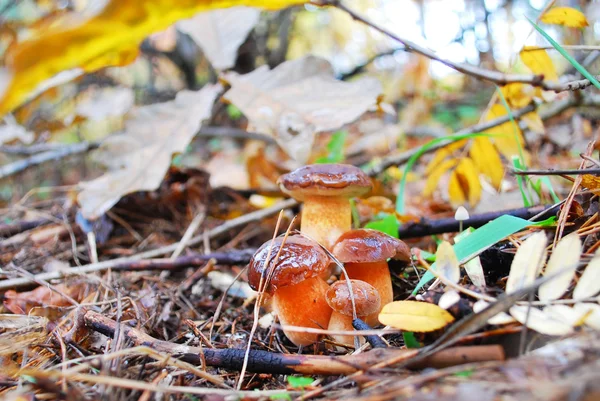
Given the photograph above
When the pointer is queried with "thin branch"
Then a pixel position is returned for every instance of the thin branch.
(557, 172)
(276, 363)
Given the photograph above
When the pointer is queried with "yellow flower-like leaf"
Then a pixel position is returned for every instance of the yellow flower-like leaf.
(565, 16)
(75, 43)
(507, 137)
(435, 175)
(539, 62)
(420, 317)
(486, 158)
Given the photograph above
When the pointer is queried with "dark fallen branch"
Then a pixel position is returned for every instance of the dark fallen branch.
(223, 258)
(375, 341)
(557, 172)
(427, 227)
(6, 230)
(275, 363)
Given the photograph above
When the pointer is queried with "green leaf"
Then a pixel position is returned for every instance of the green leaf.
(281, 396)
(566, 55)
(388, 225)
(480, 240)
(335, 148)
(520, 182)
(410, 340)
(465, 373)
(300, 381)
(233, 112)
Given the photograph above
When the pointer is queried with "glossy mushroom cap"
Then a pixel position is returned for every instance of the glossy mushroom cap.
(299, 259)
(342, 180)
(366, 246)
(366, 298)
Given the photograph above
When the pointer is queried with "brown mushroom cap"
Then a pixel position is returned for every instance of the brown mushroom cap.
(299, 259)
(325, 180)
(366, 246)
(366, 298)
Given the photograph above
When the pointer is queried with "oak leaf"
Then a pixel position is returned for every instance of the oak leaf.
(298, 99)
(139, 158)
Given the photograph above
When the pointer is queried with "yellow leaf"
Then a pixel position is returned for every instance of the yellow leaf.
(468, 176)
(420, 317)
(534, 122)
(487, 160)
(444, 152)
(436, 174)
(517, 94)
(566, 16)
(591, 182)
(76, 42)
(455, 191)
(538, 61)
(507, 137)
(527, 263)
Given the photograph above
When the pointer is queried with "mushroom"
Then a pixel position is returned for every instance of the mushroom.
(326, 190)
(365, 253)
(366, 300)
(294, 280)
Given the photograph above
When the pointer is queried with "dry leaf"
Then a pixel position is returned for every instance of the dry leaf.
(220, 33)
(473, 268)
(22, 302)
(589, 282)
(297, 99)
(566, 254)
(139, 158)
(487, 160)
(420, 317)
(539, 321)
(77, 42)
(566, 16)
(106, 102)
(570, 316)
(527, 262)
(538, 61)
(534, 122)
(19, 332)
(591, 314)
(498, 320)
(446, 263)
(591, 182)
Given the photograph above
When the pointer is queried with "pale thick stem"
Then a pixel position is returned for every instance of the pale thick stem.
(340, 322)
(378, 275)
(303, 305)
(325, 218)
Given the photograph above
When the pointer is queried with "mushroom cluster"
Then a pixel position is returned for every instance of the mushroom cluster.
(294, 273)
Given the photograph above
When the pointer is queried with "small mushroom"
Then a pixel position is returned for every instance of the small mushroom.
(294, 281)
(365, 253)
(326, 190)
(366, 300)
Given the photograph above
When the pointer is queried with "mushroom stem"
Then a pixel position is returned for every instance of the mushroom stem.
(303, 305)
(378, 275)
(340, 322)
(325, 218)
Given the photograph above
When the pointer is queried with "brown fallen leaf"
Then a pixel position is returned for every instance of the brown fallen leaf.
(220, 33)
(298, 99)
(21, 303)
(139, 158)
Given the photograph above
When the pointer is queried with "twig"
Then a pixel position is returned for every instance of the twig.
(10, 229)
(97, 267)
(374, 340)
(18, 166)
(427, 227)
(276, 363)
(557, 172)
(235, 133)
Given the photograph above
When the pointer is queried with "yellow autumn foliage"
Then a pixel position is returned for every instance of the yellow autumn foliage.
(507, 137)
(80, 43)
(565, 16)
(486, 158)
(539, 62)
(436, 173)
(420, 317)
(464, 183)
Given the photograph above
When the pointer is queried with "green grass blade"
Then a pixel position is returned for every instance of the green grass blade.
(566, 55)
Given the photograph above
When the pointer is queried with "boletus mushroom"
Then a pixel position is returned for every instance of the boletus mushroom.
(293, 279)
(364, 253)
(326, 190)
(366, 300)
